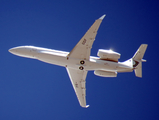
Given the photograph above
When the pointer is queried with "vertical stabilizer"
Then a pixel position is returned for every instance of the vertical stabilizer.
(137, 60)
(140, 52)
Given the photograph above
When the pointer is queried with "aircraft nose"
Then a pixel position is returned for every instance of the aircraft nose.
(12, 50)
(22, 51)
(16, 50)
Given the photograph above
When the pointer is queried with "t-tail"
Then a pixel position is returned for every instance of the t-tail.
(137, 60)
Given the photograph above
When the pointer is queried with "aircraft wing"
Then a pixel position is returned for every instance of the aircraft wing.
(83, 47)
(82, 51)
(77, 78)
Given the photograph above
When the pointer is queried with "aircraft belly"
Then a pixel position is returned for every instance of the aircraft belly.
(61, 60)
(52, 59)
(90, 65)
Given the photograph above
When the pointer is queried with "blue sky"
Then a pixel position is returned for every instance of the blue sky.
(30, 89)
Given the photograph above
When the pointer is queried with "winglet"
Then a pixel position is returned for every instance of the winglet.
(102, 17)
(87, 106)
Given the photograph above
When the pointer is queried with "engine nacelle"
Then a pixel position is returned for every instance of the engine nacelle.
(105, 73)
(108, 55)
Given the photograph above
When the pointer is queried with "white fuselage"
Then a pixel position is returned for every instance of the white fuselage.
(60, 58)
(78, 62)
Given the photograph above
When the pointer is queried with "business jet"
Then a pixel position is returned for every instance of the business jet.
(78, 62)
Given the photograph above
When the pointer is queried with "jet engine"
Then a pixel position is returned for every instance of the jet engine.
(108, 55)
(102, 73)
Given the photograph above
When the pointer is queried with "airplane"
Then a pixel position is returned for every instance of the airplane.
(78, 62)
